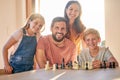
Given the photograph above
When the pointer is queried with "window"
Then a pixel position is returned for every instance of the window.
(92, 13)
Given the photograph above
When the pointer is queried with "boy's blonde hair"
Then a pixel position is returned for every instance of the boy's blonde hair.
(91, 31)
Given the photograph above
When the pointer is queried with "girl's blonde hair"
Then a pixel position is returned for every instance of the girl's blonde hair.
(91, 31)
(32, 17)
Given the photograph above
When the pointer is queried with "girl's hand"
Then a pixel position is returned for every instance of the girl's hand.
(8, 69)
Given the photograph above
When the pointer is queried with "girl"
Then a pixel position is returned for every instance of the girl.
(24, 42)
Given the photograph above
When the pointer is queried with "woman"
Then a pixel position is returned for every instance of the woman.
(72, 13)
(24, 42)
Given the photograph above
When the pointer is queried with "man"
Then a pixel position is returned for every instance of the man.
(55, 48)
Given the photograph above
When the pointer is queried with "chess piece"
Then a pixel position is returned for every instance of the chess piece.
(86, 65)
(113, 64)
(63, 64)
(75, 65)
(101, 66)
(104, 65)
(47, 66)
(90, 65)
(78, 62)
(82, 65)
(57, 66)
(78, 59)
(71, 65)
(54, 67)
(68, 65)
(110, 65)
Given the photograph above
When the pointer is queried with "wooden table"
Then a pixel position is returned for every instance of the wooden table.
(96, 74)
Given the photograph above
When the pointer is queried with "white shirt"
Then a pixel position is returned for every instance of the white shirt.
(104, 54)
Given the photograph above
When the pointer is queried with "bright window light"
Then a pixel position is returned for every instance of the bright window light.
(92, 13)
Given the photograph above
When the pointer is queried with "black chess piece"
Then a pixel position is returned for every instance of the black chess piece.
(101, 66)
(113, 64)
(57, 66)
(110, 65)
(70, 65)
(63, 64)
(86, 66)
(78, 59)
(104, 65)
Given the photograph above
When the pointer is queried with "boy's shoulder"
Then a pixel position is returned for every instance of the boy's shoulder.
(84, 51)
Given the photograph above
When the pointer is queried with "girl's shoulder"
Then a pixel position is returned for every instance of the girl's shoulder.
(18, 34)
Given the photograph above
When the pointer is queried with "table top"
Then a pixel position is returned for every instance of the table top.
(63, 74)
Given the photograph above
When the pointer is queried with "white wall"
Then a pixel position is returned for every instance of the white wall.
(112, 26)
(12, 16)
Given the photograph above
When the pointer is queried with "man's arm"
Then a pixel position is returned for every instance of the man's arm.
(40, 58)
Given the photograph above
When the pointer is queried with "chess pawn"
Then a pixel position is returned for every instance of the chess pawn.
(54, 67)
(82, 65)
(104, 65)
(90, 65)
(47, 66)
(69, 65)
(113, 64)
(101, 65)
(75, 65)
(86, 65)
(57, 66)
(63, 65)
(110, 65)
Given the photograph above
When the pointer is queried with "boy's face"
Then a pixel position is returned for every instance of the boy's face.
(92, 41)
(59, 31)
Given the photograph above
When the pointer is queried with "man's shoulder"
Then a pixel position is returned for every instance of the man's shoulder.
(69, 42)
(46, 37)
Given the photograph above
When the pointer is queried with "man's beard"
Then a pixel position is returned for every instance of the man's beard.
(54, 37)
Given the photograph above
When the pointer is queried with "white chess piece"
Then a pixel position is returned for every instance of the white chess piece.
(54, 67)
(90, 65)
(82, 65)
(47, 66)
(75, 66)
